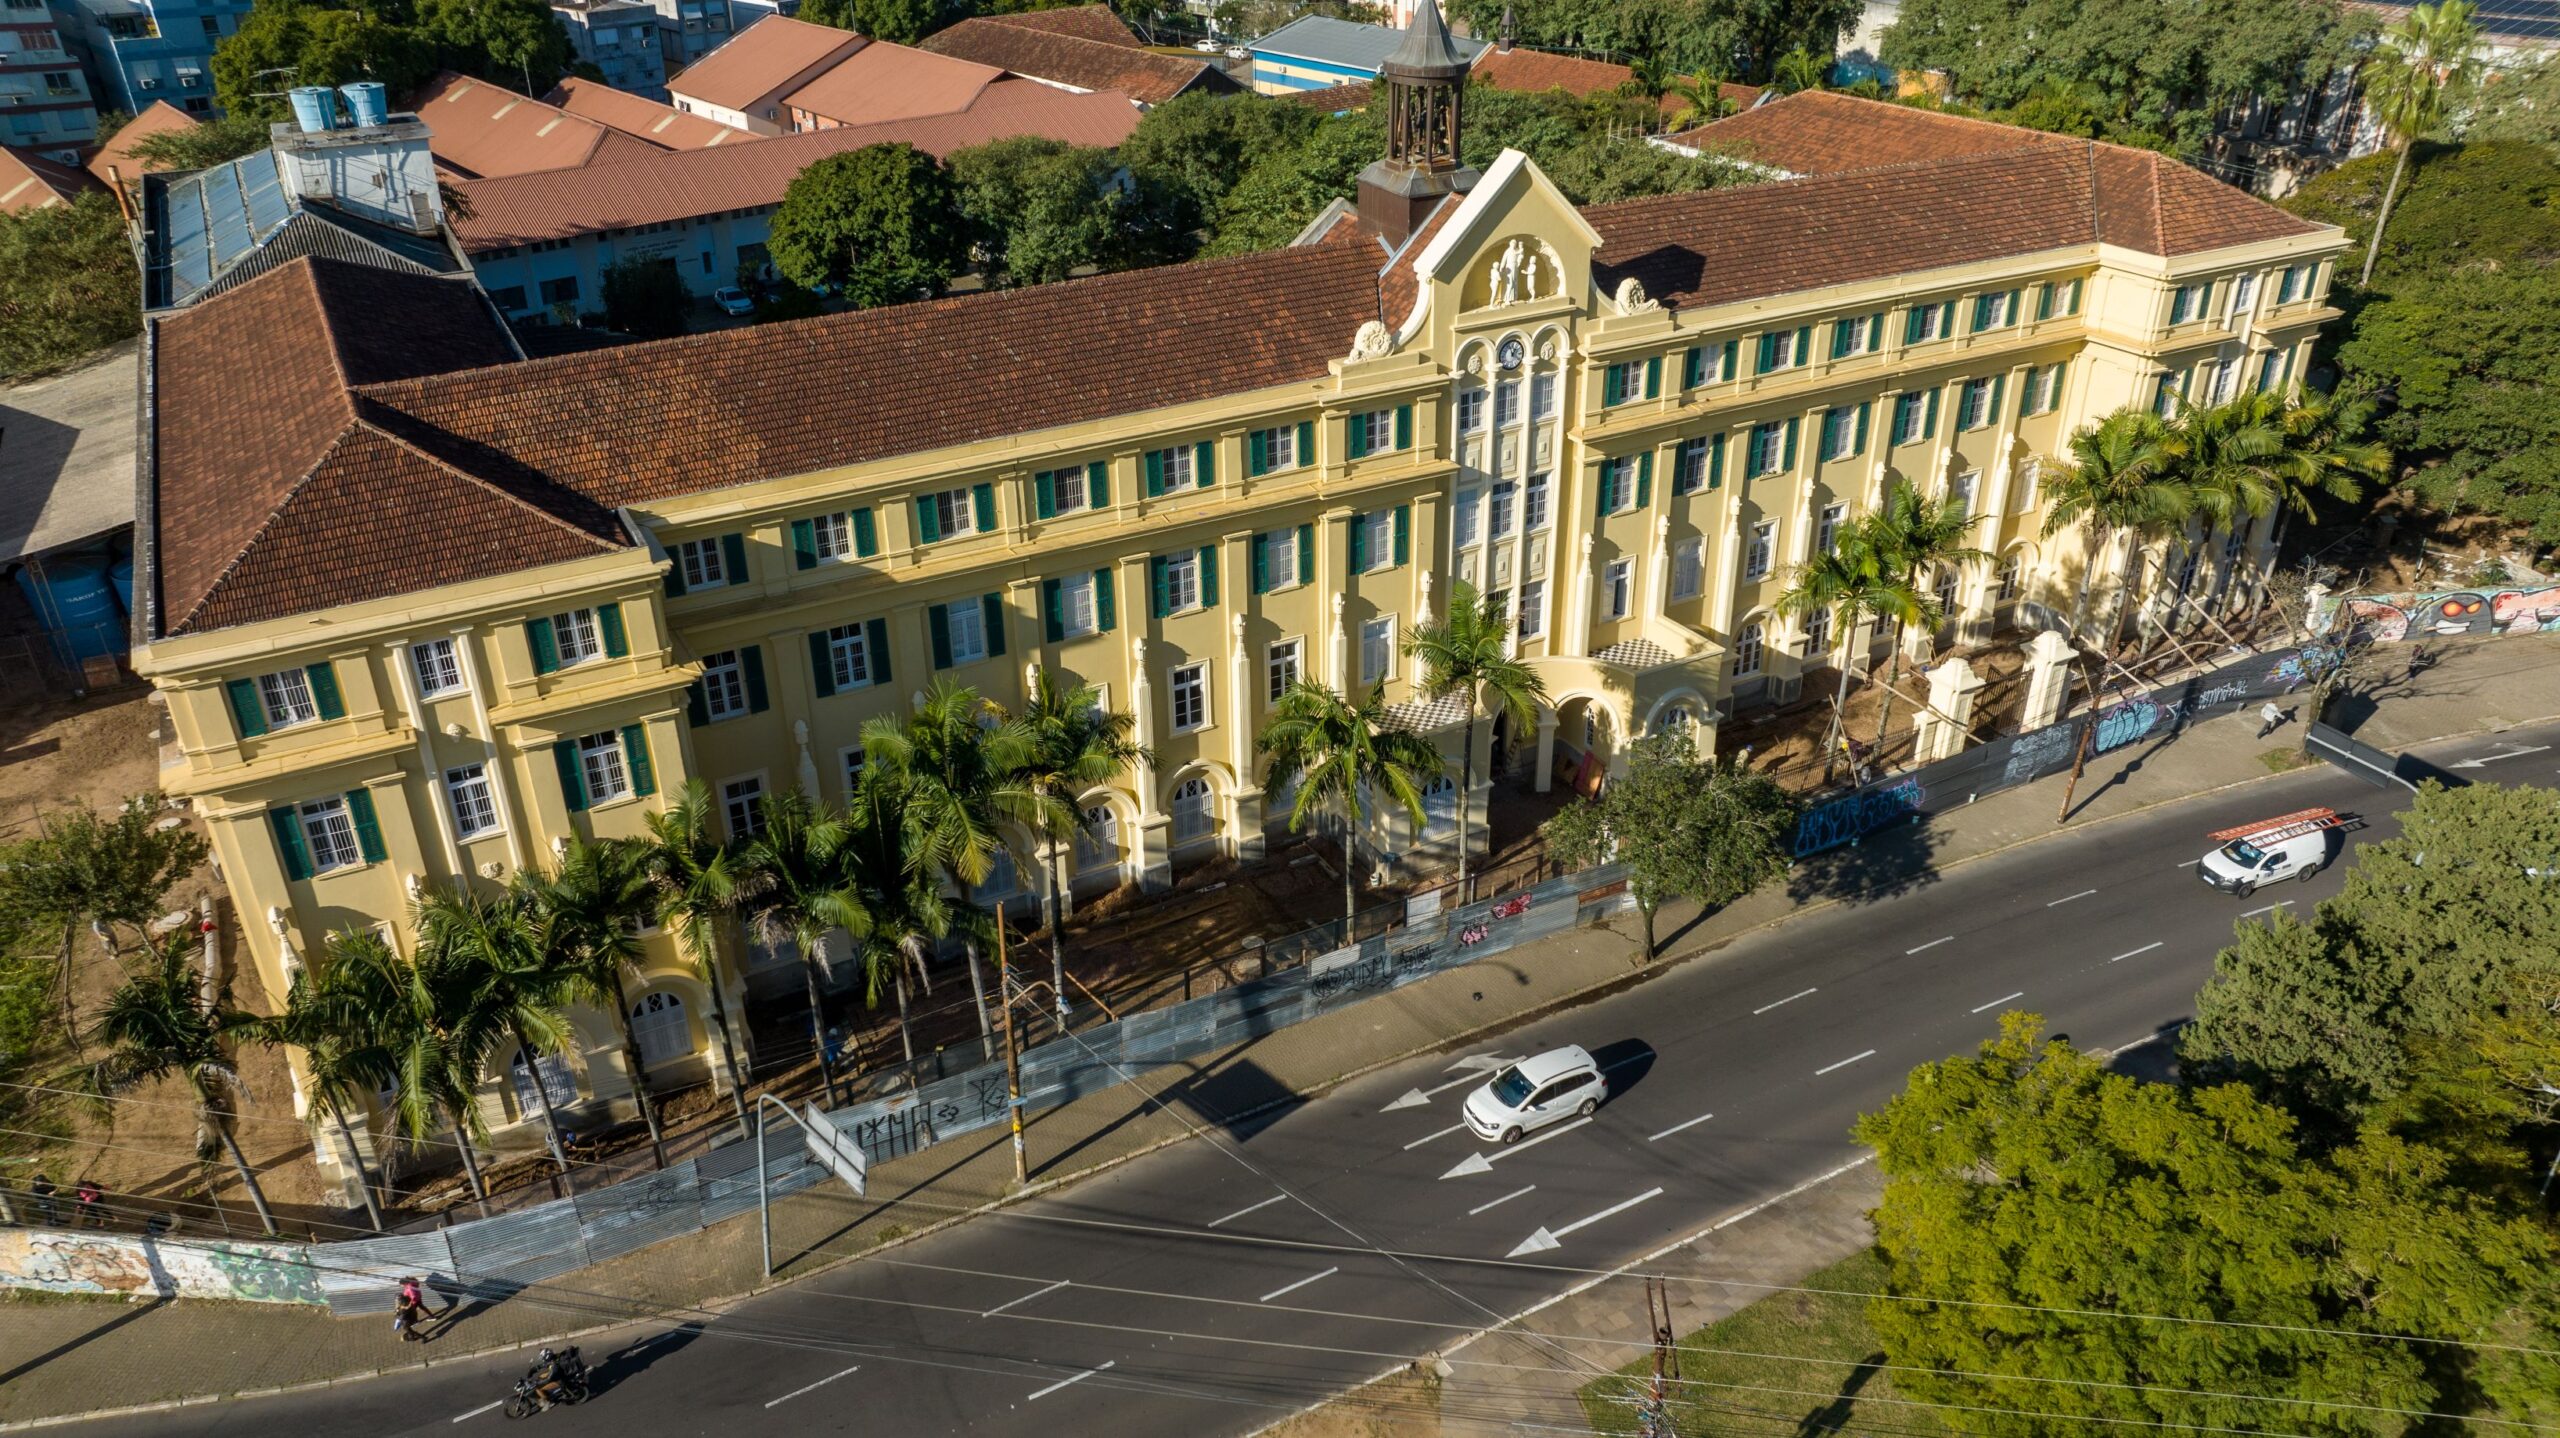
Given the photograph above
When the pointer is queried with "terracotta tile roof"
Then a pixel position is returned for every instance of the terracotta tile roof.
(641, 118)
(882, 82)
(29, 181)
(764, 59)
(477, 130)
(706, 411)
(1398, 285)
(521, 209)
(1538, 71)
(1074, 60)
(159, 118)
(1086, 22)
(273, 494)
(1821, 132)
(1333, 99)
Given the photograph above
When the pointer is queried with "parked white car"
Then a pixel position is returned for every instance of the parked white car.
(733, 300)
(1535, 1092)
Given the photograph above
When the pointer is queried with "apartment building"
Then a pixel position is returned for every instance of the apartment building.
(45, 107)
(147, 50)
(620, 38)
(420, 616)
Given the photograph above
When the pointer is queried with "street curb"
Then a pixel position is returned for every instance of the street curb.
(1574, 998)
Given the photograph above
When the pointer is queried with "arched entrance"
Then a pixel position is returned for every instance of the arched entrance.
(1586, 740)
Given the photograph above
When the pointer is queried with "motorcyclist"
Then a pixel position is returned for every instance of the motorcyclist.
(553, 1373)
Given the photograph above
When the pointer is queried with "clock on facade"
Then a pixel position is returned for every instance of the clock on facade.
(1511, 353)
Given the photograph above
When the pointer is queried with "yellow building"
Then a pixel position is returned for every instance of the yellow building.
(422, 610)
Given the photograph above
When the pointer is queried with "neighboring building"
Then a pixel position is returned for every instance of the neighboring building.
(45, 106)
(147, 50)
(880, 82)
(1083, 48)
(1824, 132)
(620, 38)
(542, 242)
(29, 181)
(419, 628)
(115, 157)
(1316, 52)
(691, 29)
(660, 124)
(1506, 66)
(478, 130)
(742, 85)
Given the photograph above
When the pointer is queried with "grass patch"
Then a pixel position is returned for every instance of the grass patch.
(1779, 1396)
(2279, 761)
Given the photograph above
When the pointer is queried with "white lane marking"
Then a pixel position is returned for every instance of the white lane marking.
(1675, 1128)
(1066, 1382)
(1479, 1163)
(1417, 1097)
(1547, 1238)
(1995, 1003)
(1497, 1203)
(1933, 943)
(2058, 903)
(1844, 1063)
(1010, 1303)
(2191, 863)
(1301, 1283)
(1241, 1212)
(1437, 1133)
(483, 1408)
(1791, 998)
(2269, 909)
(821, 1383)
(2129, 953)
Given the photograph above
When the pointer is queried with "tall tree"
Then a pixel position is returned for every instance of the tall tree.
(107, 875)
(911, 911)
(1328, 753)
(2122, 479)
(511, 981)
(329, 1016)
(506, 42)
(1909, 537)
(1467, 656)
(1685, 827)
(1849, 583)
(2418, 60)
(795, 886)
(697, 888)
(593, 907)
(425, 1024)
(283, 43)
(882, 224)
(67, 285)
(1040, 210)
(1076, 745)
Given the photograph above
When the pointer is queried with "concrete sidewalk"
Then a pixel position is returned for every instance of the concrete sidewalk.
(68, 1356)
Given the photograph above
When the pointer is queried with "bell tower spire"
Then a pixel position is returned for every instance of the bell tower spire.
(1426, 83)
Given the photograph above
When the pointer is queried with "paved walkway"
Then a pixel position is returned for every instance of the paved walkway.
(71, 1355)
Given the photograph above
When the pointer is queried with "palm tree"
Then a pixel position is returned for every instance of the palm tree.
(593, 908)
(2228, 456)
(1701, 99)
(1909, 537)
(2417, 61)
(1468, 655)
(1074, 746)
(510, 982)
(911, 909)
(1800, 70)
(2124, 477)
(427, 1028)
(697, 887)
(1326, 751)
(794, 884)
(168, 1022)
(328, 1015)
(959, 765)
(1848, 583)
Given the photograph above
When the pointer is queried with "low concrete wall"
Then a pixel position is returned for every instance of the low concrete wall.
(55, 1260)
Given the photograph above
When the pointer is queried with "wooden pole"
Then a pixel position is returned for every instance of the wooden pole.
(1012, 1058)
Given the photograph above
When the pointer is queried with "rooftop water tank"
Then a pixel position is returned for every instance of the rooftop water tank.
(315, 108)
(367, 102)
(120, 576)
(71, 595)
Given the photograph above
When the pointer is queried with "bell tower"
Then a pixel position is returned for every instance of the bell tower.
(1426, 82)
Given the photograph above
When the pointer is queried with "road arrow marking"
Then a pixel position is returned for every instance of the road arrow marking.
(2494, 758)
(1478, 1063)
(1417, 1097)
(1547, 1238)
(1472, 1163)
(1413, 1098)
(1479, 1163)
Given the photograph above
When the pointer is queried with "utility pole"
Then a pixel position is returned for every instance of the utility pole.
(1653, 1419)
(1012, 1057)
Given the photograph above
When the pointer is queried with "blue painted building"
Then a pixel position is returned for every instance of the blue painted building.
(1316, 52)
(139, 51)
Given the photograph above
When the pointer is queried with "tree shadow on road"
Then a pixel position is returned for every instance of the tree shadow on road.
(1886, 864)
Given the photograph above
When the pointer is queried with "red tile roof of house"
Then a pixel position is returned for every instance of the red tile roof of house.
(29, 181)
(1085, 22)
(763, 59)
(477, 130)
(641, 118)
(1064, 56)
(521, 209)
(158, 118)
(882, 82)
(1822, 132)
(1333, 99)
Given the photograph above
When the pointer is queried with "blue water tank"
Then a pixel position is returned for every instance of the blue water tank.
(77, 605)
(120, 575)
(367, 102)
(315, 107)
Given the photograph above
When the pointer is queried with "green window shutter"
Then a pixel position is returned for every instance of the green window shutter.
(546, 651)
(1929, 424)
(1607, 482)
(751, 664)
(2013, 305)
(1355, 436)
(697, 703)
(1209, 575)
(1947, 317)
(1053, 610)
(1911, 323)
(937, 623)
(1789, 462)
(635, 760)
(1768, 354)
(247, 711)
(1106, 615)
(1842, 337)
(928, 527)
(1644, 480)
(1612, 385)
(1306, 443)
(1992, 414)
(2027, 394)
(1693, 367)
(733, 556)
(368, 826)
(1715, 462)
(1981, 313)
(1359, 544)
(323, 679)
(1724, 369)
(1155, 473)
(1161, 583)
(1044, 494)
(996, 625)
(609, 621)
(822, 664)
(982, 506)
(2053, 387)
(1875, 330)
(875, 649)
(866, 535)
(2071, 302)
(1830, 432)
(1097, 485)
(1804, 346)
(1864, 406)
(1306, 554)
(1204, 463)
(1261, 548)
(1404, 533)
(2044, 301)
(573, 783)
(804, 544)
(1257, 459)
(1404, 426)
(289, 846)
(1653, 377)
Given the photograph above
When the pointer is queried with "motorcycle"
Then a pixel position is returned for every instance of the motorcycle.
(567, 1384)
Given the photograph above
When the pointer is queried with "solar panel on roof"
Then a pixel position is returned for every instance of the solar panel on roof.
(190, 263)
(226, 218)
(264, 194)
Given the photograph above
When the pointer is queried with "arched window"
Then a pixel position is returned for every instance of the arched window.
(1194, 816)
(1098, 842)
(1817, 633)
(1001, 881)
(1677, 718)
(556, 1078)
(1439, 808)
(2013, 574)
(659, 1028)
(1746, 650)
(1945, 587)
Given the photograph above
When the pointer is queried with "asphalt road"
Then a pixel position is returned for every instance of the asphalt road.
(1220, 1284)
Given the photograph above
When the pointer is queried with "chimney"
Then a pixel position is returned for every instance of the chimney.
(1426, 81)
(1502, 42)
(378, 169)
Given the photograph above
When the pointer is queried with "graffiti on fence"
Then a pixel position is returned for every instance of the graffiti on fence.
(1847, 820)
(2033, 753)
(56, 1261)
(2446, 613)
(2125, 723)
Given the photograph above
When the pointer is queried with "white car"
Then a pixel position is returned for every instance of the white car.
(733, 300)
(2244, 864)
(1535, 1092)
(1237, 52)
(1205, 47)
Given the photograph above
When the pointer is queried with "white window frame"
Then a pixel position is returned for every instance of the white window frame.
(1760, 551)
(1535, 511)
(1177, 469)
(1542, 395)
(1750, 645)
(1078, 616)
(1844, 435)
(849, 648)
(1817, 631)
(2244, 294)
(438, 667)
(1386, 670)
(576, 638)
(1194, 809)
(1533, 608)
(724, 685)
(1280, 557)
(1863, 332)
(1378, 538)
(850, 762)
(704, 564)
(1071, 490)
(954, 513)
(1284, 663)
(1966, 490)
(2030, 476)
(1097, 840)
(1629, 379)
(1471, 408)
(1932, 322)
(1377, 430)
(472, 800)
(1973, 406)
(1280, 449)
(1467, 528)
(1688, 568)
(1782, 351)
(1617, 588)
(1506, 403)
(1193, 678)
(1997, 316)
(1498, 510)
(329, 835)
(1182, 582)
(603, 768)
(1826, 528)
(285, 698)
(966, 618)
(730, 800)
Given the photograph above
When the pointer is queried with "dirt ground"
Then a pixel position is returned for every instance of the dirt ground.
(1787, 741)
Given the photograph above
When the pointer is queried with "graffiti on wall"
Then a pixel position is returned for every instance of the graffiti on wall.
(1847, 820)
(60, 1261)
(2451, 613)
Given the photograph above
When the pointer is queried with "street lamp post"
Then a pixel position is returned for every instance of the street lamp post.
(1012, 1057)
